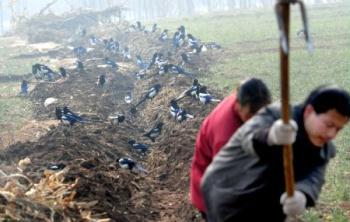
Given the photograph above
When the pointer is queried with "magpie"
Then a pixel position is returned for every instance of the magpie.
(128, 98)
(80, 66)
(80, 51)
(185, 59)
(141, 64)
(204, 96)
(139, 26)
(171, 68)
(177, 40)
(192, 41)
(182, 31)
(67, 117)
(154, 132)
(193, 90)
(140, 74)
(24, 88)
(130, 164)
(62, 72)
(152, 92)
(182, 115)
(126, 53)
(154, 28)
(101, 80)
(94, 40)
(40, 71)
(174, 108)
(111, 63)
(138, 146)
(164, 35)
(58, 166)
(118, 118)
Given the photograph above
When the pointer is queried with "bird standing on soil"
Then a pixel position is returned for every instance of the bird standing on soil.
(204, 96)
(62, 72)
(80, 51)
(185, 59)
(126, 53)
(80, 66)
(130, 164)
(141, 64)
(128, 98)
(138, 146)
(67, 117)
(40, 71)
(164, 35)
(101, 80)
(182, 115)
(154, 27)
(111, 63)
(24, 88)
(154, 132)
(174, 108)
(117, 119)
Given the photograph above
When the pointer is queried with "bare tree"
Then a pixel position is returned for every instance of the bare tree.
(46, 7)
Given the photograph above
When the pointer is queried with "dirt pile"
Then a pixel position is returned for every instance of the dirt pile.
(73, 173)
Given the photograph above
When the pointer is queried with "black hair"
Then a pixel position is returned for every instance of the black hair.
(253, 93)
(327, 97)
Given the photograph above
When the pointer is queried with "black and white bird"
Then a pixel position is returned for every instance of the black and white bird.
(41, 71)
(111, 63)
(174, 108)
(140, 63)
(94, 40)
(80, 51)
(80, 66)
(186, 59)
(183, 115)
(152, 92)
(101, 80)
(67, 117)
(164, 35)
(154, 28)
(178, 113)
(62, 72)
(141, 74)
(117, 119)
(154, 132)
(194, 89)
(174, 69)
(126, 53)
(140, 147)
(204, 96)
(130, 164)
(192, 41)
(128, 98)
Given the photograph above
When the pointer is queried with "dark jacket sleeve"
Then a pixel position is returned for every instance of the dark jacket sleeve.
(311, 186)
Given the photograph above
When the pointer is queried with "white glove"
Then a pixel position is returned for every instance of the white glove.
(281, 133)
(293, 205)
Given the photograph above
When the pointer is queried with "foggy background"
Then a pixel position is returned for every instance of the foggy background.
(12, 11)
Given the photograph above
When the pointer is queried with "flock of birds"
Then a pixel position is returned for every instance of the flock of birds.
(158, 64)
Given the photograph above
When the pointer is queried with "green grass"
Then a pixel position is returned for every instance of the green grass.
(250, 39)
(10, 65)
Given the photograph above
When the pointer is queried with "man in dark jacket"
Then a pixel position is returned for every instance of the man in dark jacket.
(245, 181)
(220, 124)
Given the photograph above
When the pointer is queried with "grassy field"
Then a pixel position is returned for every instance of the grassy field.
(14, 110)
(250, 40)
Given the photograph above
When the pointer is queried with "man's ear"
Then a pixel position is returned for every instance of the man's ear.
(308, 110)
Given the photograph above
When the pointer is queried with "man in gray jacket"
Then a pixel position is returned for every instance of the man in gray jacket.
(245, 181)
